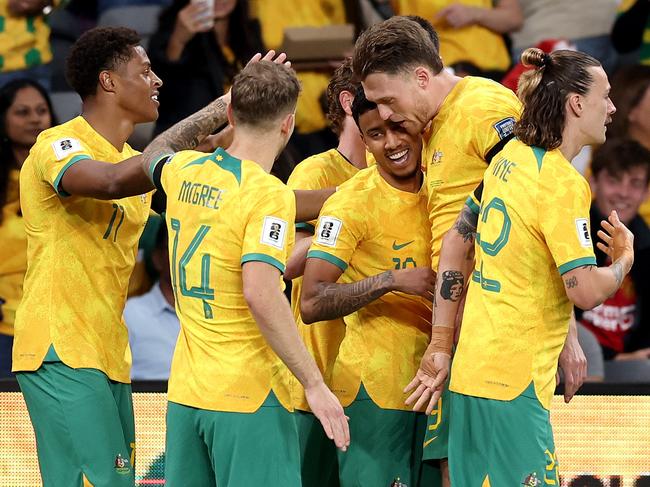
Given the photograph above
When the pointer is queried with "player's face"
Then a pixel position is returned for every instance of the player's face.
(598, 108)
(27, 117)
(399, 98)
(639, 117)
(623, 192)
(456, 291)
(137, 86)
(223, 8)
(396, 151)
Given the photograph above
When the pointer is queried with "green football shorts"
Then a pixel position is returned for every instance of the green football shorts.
(318, 461)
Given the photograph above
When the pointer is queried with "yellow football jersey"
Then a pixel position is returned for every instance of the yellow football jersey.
(644, 211)
(80, 255)
(221, 213)
(365, 228)
(473, 43)
(24, 41)
(322, 339)
(533, 227)
(476, 117)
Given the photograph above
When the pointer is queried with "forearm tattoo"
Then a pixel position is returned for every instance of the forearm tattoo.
(187, 133)
(338, 300)
(466, 224)
(617, 269)
(452, 285)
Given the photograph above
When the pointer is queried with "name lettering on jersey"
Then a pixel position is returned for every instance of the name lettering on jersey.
(328, 231)
(505, 127)
(582, 228)
(502, 168)
(273, 232)
(200, 194)
(64, 147)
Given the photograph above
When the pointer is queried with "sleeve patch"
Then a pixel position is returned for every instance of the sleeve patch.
(274, 232)
(64, 147)
(328, 231)
(505, 127)
(582, 228)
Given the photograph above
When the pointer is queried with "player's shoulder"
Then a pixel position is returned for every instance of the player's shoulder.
(313, 171)
(355, 189)
(489, 96)
(65, 137)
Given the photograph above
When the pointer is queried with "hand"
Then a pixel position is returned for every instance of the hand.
(617, 240)
(270, 56)
(195, 17)
(327, 408)
(573, 363)
(220, 139)
(418, 281)
(429, 381)
(26, 8)
(457, 15)
(642, 354)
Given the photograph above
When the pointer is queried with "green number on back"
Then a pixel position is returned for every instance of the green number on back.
(108, 231)
(493, 248)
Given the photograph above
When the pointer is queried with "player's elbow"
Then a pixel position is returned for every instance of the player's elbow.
(308, 312)
(585, 299)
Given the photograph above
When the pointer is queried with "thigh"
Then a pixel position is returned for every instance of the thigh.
(381, 447)
(318, 463)
(187, 457)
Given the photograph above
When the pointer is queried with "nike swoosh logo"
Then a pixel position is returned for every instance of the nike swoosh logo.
(426, 443)
(401, 246)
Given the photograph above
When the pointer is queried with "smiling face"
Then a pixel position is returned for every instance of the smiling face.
(27, 117)
(396, 151)
(597, 108)
(137, 87)
(624, 192)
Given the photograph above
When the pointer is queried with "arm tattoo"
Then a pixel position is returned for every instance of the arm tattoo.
(571, 282)
(453, 283)
(466, 224)
(337, 300)
(617, 269)
(187, 133)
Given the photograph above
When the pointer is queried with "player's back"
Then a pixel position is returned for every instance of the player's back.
(221, 213)
(475, 120)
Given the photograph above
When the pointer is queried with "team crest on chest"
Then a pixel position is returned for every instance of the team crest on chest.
(436, 158)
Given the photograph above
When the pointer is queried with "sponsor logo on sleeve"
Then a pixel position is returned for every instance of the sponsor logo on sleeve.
(64, 147)
(328, 231)
(273, 232)
(582, 227)
(505, 127)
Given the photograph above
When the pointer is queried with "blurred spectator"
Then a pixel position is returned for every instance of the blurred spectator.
(197, 52)
(631, 30)
(152, 321)
(631, 97)
(621, 173)
(104, 5)
(586, 23)
(311, 135)
(25, 41)
(470, 31)
(25, 111)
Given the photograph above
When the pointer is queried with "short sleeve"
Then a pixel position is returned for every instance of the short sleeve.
(499, 111)
(269, 233)
(339, 230)
(563, 208)
(53, 156)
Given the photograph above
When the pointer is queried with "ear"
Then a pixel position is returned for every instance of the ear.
(106, 81)
(574, 103)
(422, 76)
(288, 124)
(231, 117)
(345, 99)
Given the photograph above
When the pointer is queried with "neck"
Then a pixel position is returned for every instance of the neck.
(167, 291)
(221, 31)
(20, 154)
(572, 142)
(109, 121)
(351, 145)
(255, 146)
(409, 185)
(440, 87)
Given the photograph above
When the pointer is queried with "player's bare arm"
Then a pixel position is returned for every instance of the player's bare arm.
(272, 314)
(589, 286)
(309, 202)
(324, 299)
(296, 262)
(572, 361)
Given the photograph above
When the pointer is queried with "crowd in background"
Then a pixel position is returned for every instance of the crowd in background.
(197, 53)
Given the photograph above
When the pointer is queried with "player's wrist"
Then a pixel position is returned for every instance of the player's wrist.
(442, 339)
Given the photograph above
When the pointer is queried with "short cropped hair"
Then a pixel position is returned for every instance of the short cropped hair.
(97, 50)
(618, 156)
(263, 92)
(361, 105)
(393, 46)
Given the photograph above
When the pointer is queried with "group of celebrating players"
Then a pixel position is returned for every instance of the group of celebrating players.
(443, 190)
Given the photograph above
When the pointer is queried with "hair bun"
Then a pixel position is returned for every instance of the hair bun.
(534, 57)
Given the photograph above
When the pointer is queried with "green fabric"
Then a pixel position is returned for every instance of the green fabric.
(83, 423)
(436, 435)
(318, 462)
(257, 257)
(509, 442)
(332, 259)
(381, 445)
(238, 449)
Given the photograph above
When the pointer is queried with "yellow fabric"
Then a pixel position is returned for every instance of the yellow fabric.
(274, 17)
(13, 256)
(644, 211)
(80, 254)
(534, 226)
(384, 341)
(474, 117)
(217, 223)
(322, 339)
(475, 43)
(24, 41)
